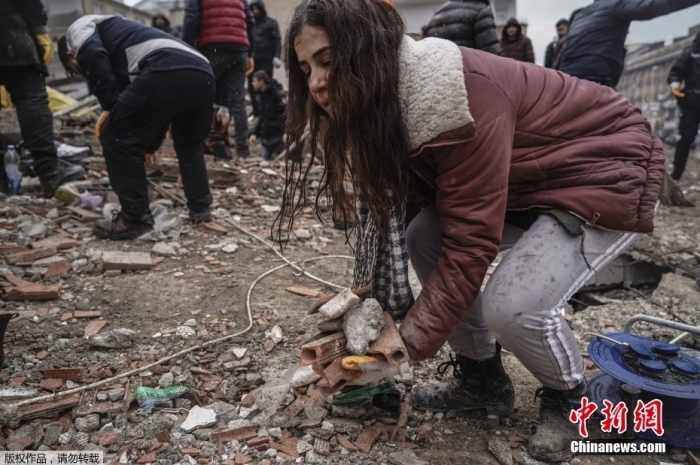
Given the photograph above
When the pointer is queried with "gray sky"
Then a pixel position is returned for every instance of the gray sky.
(543, 14)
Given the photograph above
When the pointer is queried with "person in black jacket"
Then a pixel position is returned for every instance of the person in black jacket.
(268, 45)
(468, 23)
(272, 105)
(514, 44)
(26, 52)
(145, 81)
(595, 46)
(554, 47)
(686, 69)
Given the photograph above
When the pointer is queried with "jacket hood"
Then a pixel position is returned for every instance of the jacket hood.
(260, 4)
(512, 22)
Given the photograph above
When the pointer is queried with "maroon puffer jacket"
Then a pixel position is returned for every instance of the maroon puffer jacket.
(223, 22)
(540, 138)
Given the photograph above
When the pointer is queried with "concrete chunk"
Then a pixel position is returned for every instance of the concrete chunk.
(338, 305)
(362, 326)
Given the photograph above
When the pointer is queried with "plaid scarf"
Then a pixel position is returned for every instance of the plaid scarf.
(383, 265)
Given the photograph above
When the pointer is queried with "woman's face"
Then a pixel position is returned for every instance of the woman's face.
(314, 53)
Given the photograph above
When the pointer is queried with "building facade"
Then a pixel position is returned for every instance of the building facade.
(643, 81)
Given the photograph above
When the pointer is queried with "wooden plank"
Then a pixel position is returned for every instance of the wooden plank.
(126, 261)
(30, 256)
(303, 291)
(49, 409)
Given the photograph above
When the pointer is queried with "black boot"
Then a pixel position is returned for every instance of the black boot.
(56, 173)
(4, 320)
(474, 385)
(203, 216)
(551, 435)
(222, 152)
(122, 230)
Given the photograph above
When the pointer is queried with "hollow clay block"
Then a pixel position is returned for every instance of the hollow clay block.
(325, 350)
(338, 377)
(339, 304)
(390, 344)
(362, 326)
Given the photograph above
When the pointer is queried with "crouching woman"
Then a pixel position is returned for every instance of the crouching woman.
(498, 154)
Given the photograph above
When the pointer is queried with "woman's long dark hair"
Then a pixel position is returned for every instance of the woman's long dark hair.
(366, 138)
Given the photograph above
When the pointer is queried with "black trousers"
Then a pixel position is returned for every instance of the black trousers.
(137, 125)
(264, 65)
(229, 70)
(688, 129)
(27, 87)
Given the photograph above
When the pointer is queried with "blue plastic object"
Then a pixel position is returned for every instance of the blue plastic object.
(622, 364)
(668, 350)
(681, 418)
(653, 366)
(642, 351)
(685, 368)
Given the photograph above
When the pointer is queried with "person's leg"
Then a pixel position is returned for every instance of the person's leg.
(522, 307)
(189, 128)
(266, 66)
(27, 87)
(479, 379)
(217, 140)
(137, 125)
(234, 79)
(688, 129)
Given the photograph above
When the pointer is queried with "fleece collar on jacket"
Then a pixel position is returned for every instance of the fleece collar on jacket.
(431, 88)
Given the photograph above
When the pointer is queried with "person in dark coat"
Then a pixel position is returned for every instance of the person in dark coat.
(145, 81)
(223, 31)
(268, 46)
(514, 44)
(468, 23)
(554, 47)
(272, 105)
(686, 69)
(26, 52)
(160, 21)
(595, 47)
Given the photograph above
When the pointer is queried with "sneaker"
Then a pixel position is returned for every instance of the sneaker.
(243, 151)
(474, 385)
(52, 176)
(120, 229)
(200, 217)
(551, 435)
(222, 152)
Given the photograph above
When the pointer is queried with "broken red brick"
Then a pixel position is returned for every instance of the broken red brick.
(248, 400)
(86, 314)
(244, 362)
(51, 384)
(107, 439)
(295, 407)
(257, 441)
(189, 451)
(288, 446)
(19, 443)
(425, 432)
(42, 354)
(235, 434)
(310, 423)
(163, 436)
(366, 439)
(241, 459)
(94, 327)
(147, 458)
(346, 443)
(324, 350)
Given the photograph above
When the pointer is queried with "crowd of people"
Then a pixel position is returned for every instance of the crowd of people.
(455, 148)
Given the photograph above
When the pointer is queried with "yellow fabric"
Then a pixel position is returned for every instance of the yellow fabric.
(355, 362)
(98, 126)
(57, 100)
(46, 45)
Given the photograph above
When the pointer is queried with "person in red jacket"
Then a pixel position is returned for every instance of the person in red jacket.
(471, 135)
(223, 31)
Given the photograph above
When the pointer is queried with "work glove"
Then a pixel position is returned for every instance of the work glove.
(676, 89)
(253, 140)
(98, 126)
(251, 67)
(44, 42)
(277, 62)
(223, 115)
